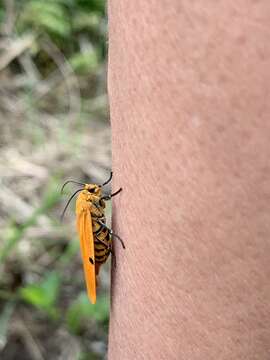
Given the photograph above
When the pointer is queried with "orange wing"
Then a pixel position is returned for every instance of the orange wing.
(84, 227)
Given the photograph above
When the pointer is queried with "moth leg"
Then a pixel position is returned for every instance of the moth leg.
(103, 242)
(113, 256)
(99, 208)
(111, 232)
(108, 197)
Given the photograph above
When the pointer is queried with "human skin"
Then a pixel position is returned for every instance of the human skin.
(189, 87)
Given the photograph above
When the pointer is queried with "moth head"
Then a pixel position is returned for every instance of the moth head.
(93, 189)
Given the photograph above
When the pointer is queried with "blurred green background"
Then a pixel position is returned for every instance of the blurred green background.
(54, 127)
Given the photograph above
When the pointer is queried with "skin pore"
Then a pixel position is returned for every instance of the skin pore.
(189, 86)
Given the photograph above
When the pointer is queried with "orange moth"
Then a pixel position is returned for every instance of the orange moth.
(95, 236)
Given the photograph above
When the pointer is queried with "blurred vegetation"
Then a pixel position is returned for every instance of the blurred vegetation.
(53, 118)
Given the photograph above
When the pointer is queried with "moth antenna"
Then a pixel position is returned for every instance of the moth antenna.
(110, 178)
(72, 196)
(70, 181)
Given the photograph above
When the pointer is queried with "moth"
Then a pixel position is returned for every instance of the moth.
(95, 236)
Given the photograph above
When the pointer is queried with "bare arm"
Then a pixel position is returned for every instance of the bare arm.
(189, 87)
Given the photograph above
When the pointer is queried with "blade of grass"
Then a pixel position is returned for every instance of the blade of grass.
(4, 321)
(15, 233)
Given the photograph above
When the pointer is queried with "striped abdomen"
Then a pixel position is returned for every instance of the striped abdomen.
(102, 241)
(102, 238)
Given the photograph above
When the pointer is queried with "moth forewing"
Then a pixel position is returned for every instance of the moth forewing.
(84, 228)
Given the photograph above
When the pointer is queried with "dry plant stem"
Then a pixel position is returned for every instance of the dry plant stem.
(188, 86)
(18, 47)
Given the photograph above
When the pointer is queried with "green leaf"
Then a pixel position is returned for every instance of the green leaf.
(81, 311)
(43, 295)
(92, 5)
(47, 16)
(86, 21)
(12, 236)
(85, 62)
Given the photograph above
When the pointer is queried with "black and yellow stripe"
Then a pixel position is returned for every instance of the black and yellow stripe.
(102, 237)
